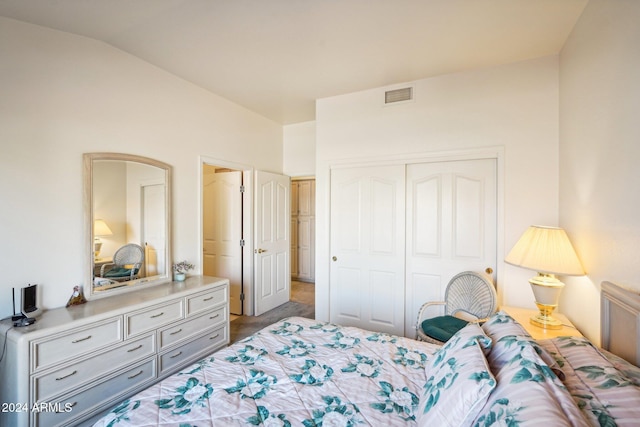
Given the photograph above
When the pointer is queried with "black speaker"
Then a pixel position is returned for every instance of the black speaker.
(28, 306)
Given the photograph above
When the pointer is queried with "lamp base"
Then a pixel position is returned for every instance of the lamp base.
(545, 321)
(546, 289)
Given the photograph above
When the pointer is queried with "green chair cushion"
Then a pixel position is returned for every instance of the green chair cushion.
(442, 328)
(118, 272)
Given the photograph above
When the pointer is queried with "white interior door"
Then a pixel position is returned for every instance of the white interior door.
(367, 247)
(272, 278)
(222, 230)
(153, 229)
(451, 227)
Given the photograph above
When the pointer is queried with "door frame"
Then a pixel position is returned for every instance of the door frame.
(323, 201)
(247, 224)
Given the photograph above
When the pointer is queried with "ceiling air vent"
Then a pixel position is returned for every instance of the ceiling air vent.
(398, 95)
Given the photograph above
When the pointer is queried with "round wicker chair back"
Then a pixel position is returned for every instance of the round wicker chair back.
(129, 254)
(472, 293)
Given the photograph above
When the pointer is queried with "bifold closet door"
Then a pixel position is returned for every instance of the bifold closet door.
(367, 247)
(451, 227)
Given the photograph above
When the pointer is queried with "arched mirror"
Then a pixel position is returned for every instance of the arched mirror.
(127, 222)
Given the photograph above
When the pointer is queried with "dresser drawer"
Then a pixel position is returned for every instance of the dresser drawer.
(79, 403)
(199, 347)
(81, 372)
(191, 327)
(206, 300)
(153, 318)
(73, 344)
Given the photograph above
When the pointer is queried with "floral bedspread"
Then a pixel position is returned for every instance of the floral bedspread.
(605, 387)
(296, 372)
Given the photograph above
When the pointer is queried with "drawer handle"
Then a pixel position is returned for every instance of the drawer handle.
(175, 355)
(81, 339)
(70, 405)
(214, 337)
(157, 315)
(176, 332)
(208, 299)
(213, 317)
(66, 376)
(135, 375)
(134, 349)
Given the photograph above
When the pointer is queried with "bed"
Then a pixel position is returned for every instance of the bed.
(301, 372)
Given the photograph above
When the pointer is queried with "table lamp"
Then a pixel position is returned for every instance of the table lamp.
(548, 251)
(100, 228)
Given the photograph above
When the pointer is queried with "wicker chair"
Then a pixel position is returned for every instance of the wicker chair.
(469, 297)
(126, 265)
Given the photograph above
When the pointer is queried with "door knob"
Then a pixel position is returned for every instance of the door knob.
(335, 258)
(259, 251)
(488, 270)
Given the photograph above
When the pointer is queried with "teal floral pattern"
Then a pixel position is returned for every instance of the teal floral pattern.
(264, 418)
(335, 413)
(121, 412)
(608, 377)
(313, 373)
(192, 393)
(302, 372)
(500, 413)
(383, 338)
(400, 401)
(458, 380)
(199, 366)
(248, 355)
(287, 329)
(255, 387)
(325, 327)
(599, 381)
(365, 366)
(411, 358)
(339, 340)
(297, 348)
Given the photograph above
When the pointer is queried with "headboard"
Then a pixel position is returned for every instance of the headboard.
(620, 326)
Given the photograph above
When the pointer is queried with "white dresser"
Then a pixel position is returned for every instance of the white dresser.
(74, 363)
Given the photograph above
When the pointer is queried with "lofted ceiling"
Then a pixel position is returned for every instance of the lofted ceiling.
(276, 57)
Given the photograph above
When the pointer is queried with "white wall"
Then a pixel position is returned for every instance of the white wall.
(600, 154)
(299, 149)
(513, 107)
(63, 95)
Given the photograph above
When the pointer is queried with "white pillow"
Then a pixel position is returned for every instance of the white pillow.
(458, 380)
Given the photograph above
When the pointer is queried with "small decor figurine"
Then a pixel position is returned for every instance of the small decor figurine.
(181, 269)
(77, 297)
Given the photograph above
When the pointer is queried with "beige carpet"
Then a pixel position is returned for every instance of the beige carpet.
(302, 304)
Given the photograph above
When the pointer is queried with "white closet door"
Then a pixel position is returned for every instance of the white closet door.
(451, 227)
(367, 247)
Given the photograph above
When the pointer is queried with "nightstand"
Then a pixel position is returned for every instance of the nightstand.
(522, 315)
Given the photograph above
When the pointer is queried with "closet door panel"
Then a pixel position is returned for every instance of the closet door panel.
(451, 227)
(367, 236)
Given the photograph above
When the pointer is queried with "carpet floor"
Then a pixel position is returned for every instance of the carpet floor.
(302, 304)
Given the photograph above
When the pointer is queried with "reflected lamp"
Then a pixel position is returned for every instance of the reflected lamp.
(100, 228)
(548, 251)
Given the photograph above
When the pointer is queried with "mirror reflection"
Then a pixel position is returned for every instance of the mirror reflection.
(129, 220)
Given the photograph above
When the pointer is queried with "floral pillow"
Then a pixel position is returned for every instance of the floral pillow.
(528, 391)
(458, 380)
(505, 332)
(501, 324)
